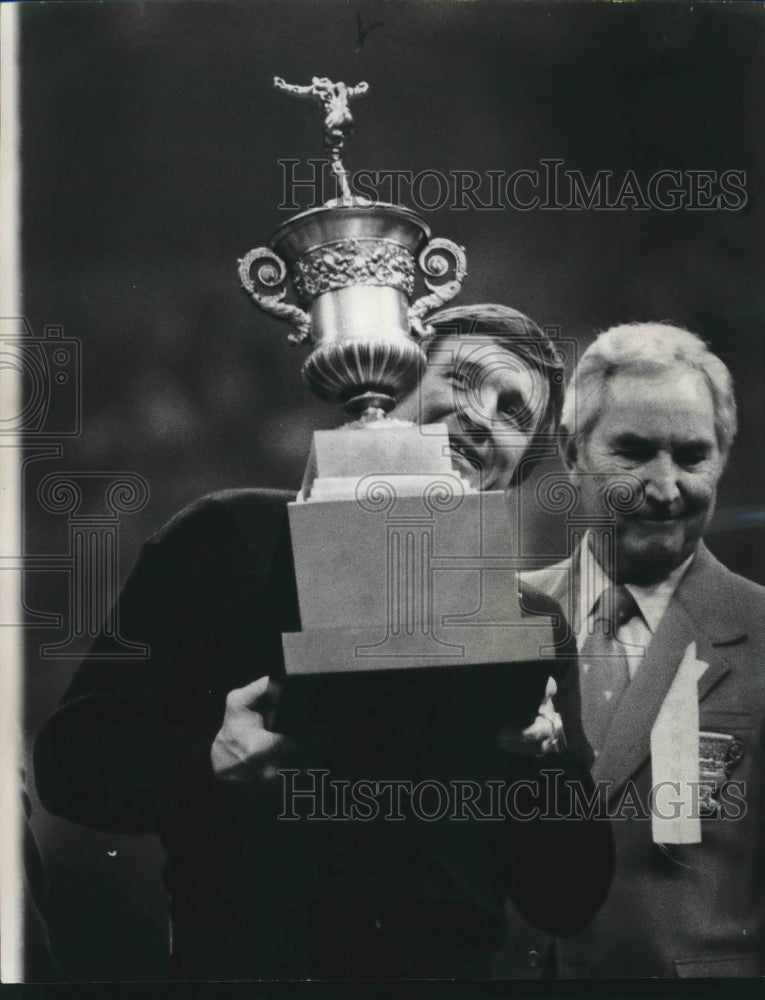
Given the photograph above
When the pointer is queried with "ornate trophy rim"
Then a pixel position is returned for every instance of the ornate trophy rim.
(382, 208)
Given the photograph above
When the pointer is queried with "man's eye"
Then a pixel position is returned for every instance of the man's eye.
(515, 411)
(519, 413)
(460, 378)
(691, 456)
(634, 453)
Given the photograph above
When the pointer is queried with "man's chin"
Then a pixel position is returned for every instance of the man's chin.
(475, 479)
(473, 474)
(651, 560)
(496, 477)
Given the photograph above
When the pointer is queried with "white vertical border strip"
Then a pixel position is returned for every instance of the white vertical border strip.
(11, 923)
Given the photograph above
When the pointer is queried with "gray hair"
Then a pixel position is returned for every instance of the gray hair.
(646, 348)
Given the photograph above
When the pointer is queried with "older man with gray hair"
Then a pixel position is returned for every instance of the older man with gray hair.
(672, 668)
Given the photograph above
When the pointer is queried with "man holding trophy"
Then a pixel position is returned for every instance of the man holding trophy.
(343, 733)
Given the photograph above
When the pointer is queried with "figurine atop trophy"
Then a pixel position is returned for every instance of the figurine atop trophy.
(352, 264)
(338, 120)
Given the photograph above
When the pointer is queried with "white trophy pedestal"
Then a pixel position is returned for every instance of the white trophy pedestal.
(403, 567)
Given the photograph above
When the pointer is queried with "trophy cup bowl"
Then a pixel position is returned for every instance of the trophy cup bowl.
(353, 268)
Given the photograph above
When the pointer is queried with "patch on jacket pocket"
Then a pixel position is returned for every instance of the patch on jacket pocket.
(719, 754)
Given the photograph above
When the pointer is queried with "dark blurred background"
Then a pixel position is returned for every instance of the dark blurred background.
(150, 140)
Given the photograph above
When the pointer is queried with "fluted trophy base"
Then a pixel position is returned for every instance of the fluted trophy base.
(364, 375)
(369, 406)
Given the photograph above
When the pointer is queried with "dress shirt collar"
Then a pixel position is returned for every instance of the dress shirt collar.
(652, 600)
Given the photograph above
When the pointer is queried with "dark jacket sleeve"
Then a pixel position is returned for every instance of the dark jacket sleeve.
(130, 740)
(562, 860)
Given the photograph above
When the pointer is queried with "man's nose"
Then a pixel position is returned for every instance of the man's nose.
(661, 480)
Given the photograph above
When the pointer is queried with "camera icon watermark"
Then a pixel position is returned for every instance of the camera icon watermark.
(42, 388)
(42, 376)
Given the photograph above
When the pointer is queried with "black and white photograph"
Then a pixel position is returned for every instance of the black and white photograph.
(383, 535)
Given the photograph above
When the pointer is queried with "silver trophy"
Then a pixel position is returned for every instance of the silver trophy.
(353, 266)
(389, 542)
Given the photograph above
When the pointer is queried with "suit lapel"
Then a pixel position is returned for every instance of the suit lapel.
(698, 612)
(627, 744)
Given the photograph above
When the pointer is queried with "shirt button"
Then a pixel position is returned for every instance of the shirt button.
(534, 959)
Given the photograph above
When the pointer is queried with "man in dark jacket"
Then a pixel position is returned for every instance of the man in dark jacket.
(269, 874)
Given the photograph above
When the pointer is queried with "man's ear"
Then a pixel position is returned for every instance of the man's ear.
(569, 450)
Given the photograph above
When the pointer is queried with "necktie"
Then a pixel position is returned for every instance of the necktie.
(604, 672)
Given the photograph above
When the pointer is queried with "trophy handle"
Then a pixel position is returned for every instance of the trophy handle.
(436, 260)
(271, 273)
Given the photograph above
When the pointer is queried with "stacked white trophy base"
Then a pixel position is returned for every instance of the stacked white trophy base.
(398, 563)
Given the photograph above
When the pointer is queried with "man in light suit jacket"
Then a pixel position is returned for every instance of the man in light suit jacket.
(651, 407)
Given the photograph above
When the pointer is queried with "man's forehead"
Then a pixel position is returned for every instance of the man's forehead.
(678, 382)
(673, 405)
(458, 349)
